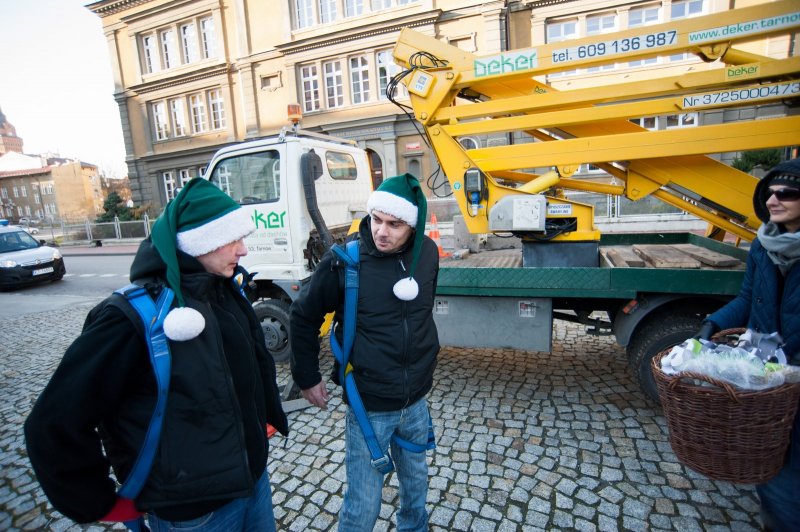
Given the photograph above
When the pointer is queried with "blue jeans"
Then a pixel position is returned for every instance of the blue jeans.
(253, 514)
(362, 499)
(780, 496)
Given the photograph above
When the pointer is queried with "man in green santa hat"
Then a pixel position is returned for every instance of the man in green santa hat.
(209, 471)
(394, 351)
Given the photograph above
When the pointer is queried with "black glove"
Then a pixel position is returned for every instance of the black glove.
(706, 331)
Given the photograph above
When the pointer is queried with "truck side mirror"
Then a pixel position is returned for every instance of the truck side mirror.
(311, 165)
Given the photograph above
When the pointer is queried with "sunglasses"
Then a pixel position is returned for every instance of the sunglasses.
(785, 194)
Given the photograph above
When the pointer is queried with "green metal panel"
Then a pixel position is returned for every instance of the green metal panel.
(527, 282)
(677, 281)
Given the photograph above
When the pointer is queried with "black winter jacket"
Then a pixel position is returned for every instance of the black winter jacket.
(396, 345)
(223, 391)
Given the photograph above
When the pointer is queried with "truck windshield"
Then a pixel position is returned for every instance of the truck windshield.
(250, 178)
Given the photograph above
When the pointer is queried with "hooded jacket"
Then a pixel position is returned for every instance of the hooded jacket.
(766, 303)
(396, 345)
(223, 391)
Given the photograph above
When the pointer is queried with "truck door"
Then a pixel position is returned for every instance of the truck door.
(255, 181)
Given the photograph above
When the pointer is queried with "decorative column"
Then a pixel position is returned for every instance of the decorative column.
(494, 30)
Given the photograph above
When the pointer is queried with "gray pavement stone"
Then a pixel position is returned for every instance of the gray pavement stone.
(526, 441)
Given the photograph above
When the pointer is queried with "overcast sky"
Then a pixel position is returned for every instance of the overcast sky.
(56, 86)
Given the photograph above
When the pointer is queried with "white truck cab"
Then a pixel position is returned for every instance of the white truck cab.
(303, 191)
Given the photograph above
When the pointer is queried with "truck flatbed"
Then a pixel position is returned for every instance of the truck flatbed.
(668, 263)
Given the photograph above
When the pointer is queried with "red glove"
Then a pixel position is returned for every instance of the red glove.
(271, 431)
(123, 510)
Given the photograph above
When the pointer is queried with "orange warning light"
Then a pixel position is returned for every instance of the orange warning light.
(294, 112)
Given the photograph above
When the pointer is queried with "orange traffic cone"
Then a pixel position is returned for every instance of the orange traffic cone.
(434, 235)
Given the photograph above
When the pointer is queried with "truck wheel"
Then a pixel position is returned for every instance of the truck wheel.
(661, 331)
(274, 317)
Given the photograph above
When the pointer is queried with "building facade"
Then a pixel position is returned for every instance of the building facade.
(194, 76)
(52, 189)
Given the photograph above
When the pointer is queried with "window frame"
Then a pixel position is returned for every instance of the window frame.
(327, 10)
(353, 8)
(562, 37)
(184, 42)
(333, 84)
(303, 14)
(646, 21)
(189, 114)
(309, 85)
(160, 121)
(166, 39)
(390, 70)
(208, 38)
(216, 106)
(601, 30)
(359, 79)
(150, 54)
(190, 47)
(198, 117)
(177, 110)
(686, 15)
(168, 180)
(185, 175)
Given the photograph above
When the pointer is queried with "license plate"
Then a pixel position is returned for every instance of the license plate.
(42, 271)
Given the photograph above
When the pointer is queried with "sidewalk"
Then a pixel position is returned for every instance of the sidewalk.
(526, 441)
(128, 247)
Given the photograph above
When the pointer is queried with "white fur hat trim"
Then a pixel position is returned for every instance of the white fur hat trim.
(183, 323)
(406, 289)
(393, 205)
(216, 233)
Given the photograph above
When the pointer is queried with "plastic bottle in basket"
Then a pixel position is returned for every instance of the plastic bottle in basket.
(735, 365)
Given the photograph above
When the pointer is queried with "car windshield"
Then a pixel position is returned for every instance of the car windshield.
(16, 241)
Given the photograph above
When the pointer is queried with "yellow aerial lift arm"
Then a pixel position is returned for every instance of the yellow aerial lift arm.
(454, 93)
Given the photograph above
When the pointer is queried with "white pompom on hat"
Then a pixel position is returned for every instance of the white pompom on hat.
(402, 197)
(200, 219)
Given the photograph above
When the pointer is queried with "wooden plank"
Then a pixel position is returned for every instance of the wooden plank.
(605, 260)
(664, 256)
(707, 256)
(623, 257)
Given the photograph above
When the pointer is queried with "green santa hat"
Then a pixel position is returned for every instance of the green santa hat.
(401, 196)
(199, 220)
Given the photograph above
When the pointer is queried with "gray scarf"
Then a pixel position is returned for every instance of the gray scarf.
(783, 249)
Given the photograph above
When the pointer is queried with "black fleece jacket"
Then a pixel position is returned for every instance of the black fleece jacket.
(223, 391)
(396, 345)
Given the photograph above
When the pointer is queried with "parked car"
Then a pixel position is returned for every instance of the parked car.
(25, 260)
(29, 229)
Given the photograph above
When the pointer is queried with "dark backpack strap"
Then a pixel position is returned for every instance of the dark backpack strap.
(150, 317)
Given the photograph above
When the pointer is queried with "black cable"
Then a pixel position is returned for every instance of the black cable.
(416, 61)
(554, 228)
(422, 61)
(435, 184)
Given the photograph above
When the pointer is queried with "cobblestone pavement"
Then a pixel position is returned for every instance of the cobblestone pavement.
(526, 441)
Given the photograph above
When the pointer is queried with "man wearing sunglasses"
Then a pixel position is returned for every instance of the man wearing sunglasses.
(769, 301)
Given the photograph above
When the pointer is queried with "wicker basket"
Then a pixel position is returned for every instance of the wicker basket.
(725, 433)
